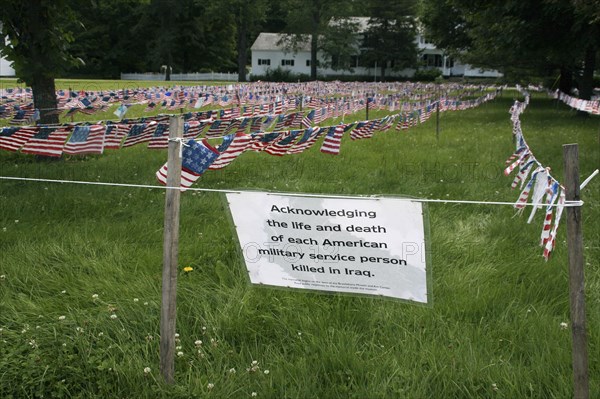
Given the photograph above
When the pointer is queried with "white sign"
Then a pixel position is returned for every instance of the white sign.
(360, 246)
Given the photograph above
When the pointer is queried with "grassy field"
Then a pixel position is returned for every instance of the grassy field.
(81, 268)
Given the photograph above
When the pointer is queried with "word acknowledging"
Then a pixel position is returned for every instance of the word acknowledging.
(360, 246)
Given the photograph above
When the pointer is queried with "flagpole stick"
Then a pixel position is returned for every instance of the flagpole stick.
(576, 274)
(170, 253)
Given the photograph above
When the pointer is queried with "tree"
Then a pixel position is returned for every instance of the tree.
(391, 33)
(103, 37)
(533, 37)
(38, 46)
(312, 18)
(248, 17)
(187, 35)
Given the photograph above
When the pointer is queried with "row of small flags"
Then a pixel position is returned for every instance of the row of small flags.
(200, 156)
(95, 138)
(535, 182)
(589, 106)
(14, 101)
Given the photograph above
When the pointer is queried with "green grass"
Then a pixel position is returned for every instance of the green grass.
(496, 305)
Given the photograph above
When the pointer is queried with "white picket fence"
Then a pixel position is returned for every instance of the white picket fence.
(228, 77)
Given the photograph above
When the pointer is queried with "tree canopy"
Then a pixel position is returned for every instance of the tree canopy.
(535, 37)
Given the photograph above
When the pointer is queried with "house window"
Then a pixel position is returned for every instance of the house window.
(307, 63)
(287, 62)
(432, 60)
(263, 61)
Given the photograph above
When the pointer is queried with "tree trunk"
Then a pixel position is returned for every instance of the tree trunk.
(168, 73)
(242, 48)
(383, 71)
(565, 83)
(586, 87)
(313, 55)
(44, 99)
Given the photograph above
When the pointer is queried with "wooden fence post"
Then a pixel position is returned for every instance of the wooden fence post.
(170, 253)
(576, 275)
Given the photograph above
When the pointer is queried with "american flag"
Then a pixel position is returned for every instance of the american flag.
(309, 137)
(22, 116)
(333, 140)
(306, 121)
(13, 138)
(139, 133)
(551, 195)
(48, 141)
(196, 159)
(286, 141)
(364, 130)
(236, 145)
(263, 140)
(192, 129)
(256, 124)
(114, 136)
(217, 128)
(86, 140)
(551, 242)
(160, 137)
(280, 122)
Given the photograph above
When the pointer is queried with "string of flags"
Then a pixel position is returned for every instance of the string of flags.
(95, 138)
(535, 182)
(198, 157)
(16, 104)
(589, 106)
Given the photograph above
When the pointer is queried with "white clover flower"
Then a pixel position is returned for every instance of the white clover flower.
(145, 303)
(100, 334)
(61, 317)
(147, 370)
(17, 221)
(210, 385)
(79, 329)
(254, 362)
(95, 296)
(266, 371)
(564, 326)
(63, 292)
(2, 277)
(113, 316)
(198, 342)
(176, 335)
(179, 354)
(178, 348)
(494, 387)
(232, 371)
(254, 394)
(136, 300)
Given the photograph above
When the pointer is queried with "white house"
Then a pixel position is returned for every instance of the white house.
(5, 67)
(269, 52)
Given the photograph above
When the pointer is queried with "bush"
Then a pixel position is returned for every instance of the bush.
(281, 75)
(426, 75)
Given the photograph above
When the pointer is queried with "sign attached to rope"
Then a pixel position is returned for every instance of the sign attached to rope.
(359, 246)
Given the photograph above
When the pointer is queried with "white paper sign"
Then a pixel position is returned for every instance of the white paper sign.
(361, 246)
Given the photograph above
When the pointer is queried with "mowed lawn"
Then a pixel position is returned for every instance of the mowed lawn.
(81, 275)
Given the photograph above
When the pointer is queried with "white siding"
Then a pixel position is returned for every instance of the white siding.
(5, 68)
(275, 57)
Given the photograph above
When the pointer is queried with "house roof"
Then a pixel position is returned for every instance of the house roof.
(274, 41)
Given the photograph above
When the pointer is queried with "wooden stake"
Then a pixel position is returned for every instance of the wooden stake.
(170, 254)
(576, 275)
(367, 116)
